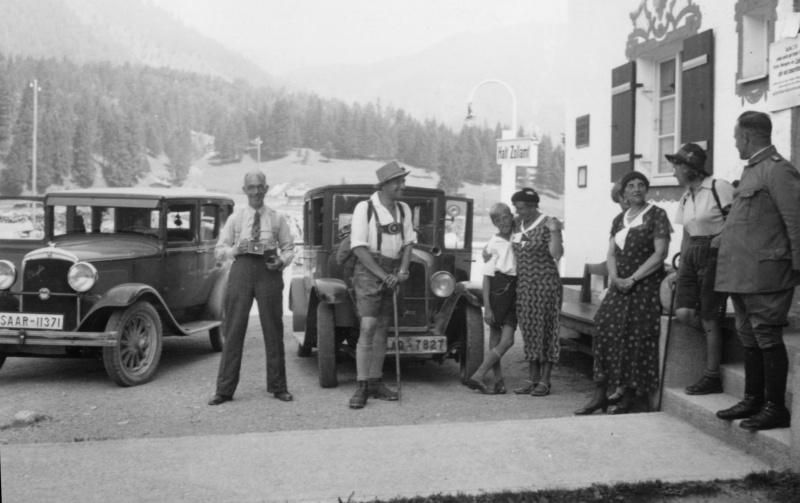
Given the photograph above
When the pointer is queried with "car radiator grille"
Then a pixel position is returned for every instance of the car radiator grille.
(52, 275)
(412, 302)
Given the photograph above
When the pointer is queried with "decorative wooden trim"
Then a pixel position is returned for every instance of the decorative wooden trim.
(658, 23)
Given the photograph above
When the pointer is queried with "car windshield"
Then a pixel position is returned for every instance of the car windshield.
(21, 219)
(422, 214)
(81, 219)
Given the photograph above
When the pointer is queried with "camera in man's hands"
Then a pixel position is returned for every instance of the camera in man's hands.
(271, 256)
(255, 247)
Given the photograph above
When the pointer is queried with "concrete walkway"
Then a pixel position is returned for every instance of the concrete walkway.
(380, 462)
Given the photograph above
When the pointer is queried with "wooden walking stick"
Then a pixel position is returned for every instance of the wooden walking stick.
(396, 343)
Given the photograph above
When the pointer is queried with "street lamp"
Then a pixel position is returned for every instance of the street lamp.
(36, 89)
(508, 172)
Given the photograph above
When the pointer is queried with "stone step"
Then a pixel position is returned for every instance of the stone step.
(733, 381)
(772, 446)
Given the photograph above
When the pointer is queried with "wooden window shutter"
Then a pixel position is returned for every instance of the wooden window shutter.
(697, 93)
(623, 119)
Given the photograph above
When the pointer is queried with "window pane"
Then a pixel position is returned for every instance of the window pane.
(667, 78)
(666, 145)
(754, 50)
(666, 117)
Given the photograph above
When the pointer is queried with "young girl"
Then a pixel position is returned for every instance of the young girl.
(499, 299)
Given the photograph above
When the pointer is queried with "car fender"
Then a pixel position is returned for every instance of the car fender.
(216, 298)
(125, 295)
(465, 291)
(331, 290)
(298, 303)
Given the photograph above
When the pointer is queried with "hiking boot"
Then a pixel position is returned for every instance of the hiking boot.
(705, 386)
(359, 399)
(748, 407)
(770, 416)
(377, 389)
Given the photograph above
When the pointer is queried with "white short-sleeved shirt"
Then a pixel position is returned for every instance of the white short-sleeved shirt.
(366, 233)
(502, 259)
(701, 215)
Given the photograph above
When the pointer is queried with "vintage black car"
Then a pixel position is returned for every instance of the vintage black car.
(120, 269)
(439, 309)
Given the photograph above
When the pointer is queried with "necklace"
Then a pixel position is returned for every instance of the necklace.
(631, 216)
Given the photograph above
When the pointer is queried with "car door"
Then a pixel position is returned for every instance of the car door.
(183, 274)
(213, 215)
(22, 229)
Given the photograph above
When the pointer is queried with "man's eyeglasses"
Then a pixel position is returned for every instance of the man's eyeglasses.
(256, 188)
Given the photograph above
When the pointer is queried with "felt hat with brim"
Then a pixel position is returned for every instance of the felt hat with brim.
(692, 155)
(390, 172)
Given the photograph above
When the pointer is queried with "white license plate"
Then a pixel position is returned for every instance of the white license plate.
(32, 321)
(418, 344)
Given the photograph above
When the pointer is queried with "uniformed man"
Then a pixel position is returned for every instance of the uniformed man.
(759, 265)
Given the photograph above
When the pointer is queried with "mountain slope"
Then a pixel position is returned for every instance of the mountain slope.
(119, 31)
(436, 82)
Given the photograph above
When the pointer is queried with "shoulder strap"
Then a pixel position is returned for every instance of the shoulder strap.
(716, 198)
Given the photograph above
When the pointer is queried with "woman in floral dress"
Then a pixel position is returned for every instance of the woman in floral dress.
(537, 246)
(628, 321)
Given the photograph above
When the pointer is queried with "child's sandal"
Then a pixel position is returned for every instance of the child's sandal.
(540, 389)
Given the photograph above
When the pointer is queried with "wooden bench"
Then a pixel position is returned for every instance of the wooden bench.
(578, 311)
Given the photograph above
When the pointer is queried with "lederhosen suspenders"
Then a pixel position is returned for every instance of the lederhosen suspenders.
(371, 212)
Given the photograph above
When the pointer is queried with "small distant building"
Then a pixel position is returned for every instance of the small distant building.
(646, 76)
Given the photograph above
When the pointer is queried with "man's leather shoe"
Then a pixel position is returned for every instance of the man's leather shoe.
(770, 416)
(283, 396)
(218, 399)
(746, 408)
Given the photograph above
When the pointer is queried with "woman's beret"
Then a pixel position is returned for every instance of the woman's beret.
(632, 175)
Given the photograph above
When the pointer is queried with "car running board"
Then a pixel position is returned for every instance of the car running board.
(199, 326)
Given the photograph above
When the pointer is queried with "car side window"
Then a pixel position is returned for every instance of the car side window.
(209, 222)
(181, 224)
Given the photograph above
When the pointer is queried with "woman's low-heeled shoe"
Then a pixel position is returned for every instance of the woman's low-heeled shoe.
(622, 409)
(478, 385)
(592, 407)
(500, 387)
(541, 389)
(525, 390)
(614, 398)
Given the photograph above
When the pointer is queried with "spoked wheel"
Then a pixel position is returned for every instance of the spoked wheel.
(472, 343)
(134, 359)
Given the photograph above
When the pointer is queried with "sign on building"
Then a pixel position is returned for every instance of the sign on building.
(784, 74)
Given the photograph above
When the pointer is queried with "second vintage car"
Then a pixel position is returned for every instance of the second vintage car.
(439, 310)
(121, 269)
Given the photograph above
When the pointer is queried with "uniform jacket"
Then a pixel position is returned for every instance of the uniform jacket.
(760, 244)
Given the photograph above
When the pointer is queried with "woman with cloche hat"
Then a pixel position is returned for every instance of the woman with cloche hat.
(628, 321)
(701, 212)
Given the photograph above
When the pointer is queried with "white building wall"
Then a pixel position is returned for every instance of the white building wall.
(599, 31)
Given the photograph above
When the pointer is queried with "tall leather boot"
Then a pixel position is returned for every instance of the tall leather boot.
(774, 413)
(753, 388)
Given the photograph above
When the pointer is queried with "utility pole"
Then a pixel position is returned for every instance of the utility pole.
(35, 85)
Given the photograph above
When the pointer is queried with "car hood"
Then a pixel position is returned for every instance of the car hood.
(92, 249)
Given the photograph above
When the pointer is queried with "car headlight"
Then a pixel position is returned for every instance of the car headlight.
(82, 277)
(8, 274)
(443, 284)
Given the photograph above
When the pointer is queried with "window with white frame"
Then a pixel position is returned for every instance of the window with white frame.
(667, 111)
(755, 47)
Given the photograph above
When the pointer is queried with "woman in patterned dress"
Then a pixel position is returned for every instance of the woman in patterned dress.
(537, 246)
(628, 321)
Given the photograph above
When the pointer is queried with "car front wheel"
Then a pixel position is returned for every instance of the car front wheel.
(134, 358)
(471, 355)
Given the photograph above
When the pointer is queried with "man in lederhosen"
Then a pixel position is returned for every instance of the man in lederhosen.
(382, 235)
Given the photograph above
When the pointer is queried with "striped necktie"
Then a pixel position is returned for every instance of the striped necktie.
(255, 234)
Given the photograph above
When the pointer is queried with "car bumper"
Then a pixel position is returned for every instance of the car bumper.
(26, 337)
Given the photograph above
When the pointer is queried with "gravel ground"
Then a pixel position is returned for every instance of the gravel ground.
(82, 404)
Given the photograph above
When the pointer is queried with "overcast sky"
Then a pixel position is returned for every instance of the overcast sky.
(283, 35)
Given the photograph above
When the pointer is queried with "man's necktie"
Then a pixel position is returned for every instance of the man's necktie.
(255, 235)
